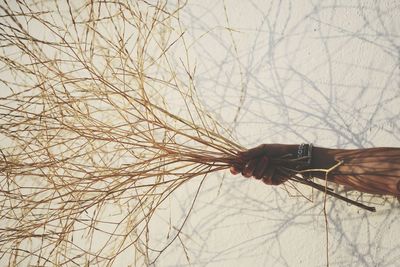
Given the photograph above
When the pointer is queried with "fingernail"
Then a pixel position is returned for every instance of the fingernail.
(233, 170)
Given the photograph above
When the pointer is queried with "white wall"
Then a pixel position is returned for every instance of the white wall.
(326, 72)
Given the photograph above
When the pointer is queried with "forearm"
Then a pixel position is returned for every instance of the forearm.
(324, 158)
(373, 170)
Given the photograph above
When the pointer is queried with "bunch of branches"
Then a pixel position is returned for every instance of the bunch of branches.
(95, 116)
(98, 115)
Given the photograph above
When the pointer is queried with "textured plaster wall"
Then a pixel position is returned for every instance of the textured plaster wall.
(326, 72)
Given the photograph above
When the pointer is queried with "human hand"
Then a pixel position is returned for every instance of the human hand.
(256, 162)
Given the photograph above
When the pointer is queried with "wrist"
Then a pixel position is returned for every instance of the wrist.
(323, 158)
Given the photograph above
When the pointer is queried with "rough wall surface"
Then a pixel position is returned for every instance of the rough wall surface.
(326, 72)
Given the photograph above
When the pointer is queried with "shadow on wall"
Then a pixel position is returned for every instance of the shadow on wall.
(285, 72)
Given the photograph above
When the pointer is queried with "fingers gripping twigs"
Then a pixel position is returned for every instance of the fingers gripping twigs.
(255, 162)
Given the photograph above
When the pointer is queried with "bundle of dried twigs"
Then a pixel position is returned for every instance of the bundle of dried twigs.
(96, 115)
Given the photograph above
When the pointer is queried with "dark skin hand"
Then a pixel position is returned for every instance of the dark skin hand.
(255, 162)
(372, 170)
